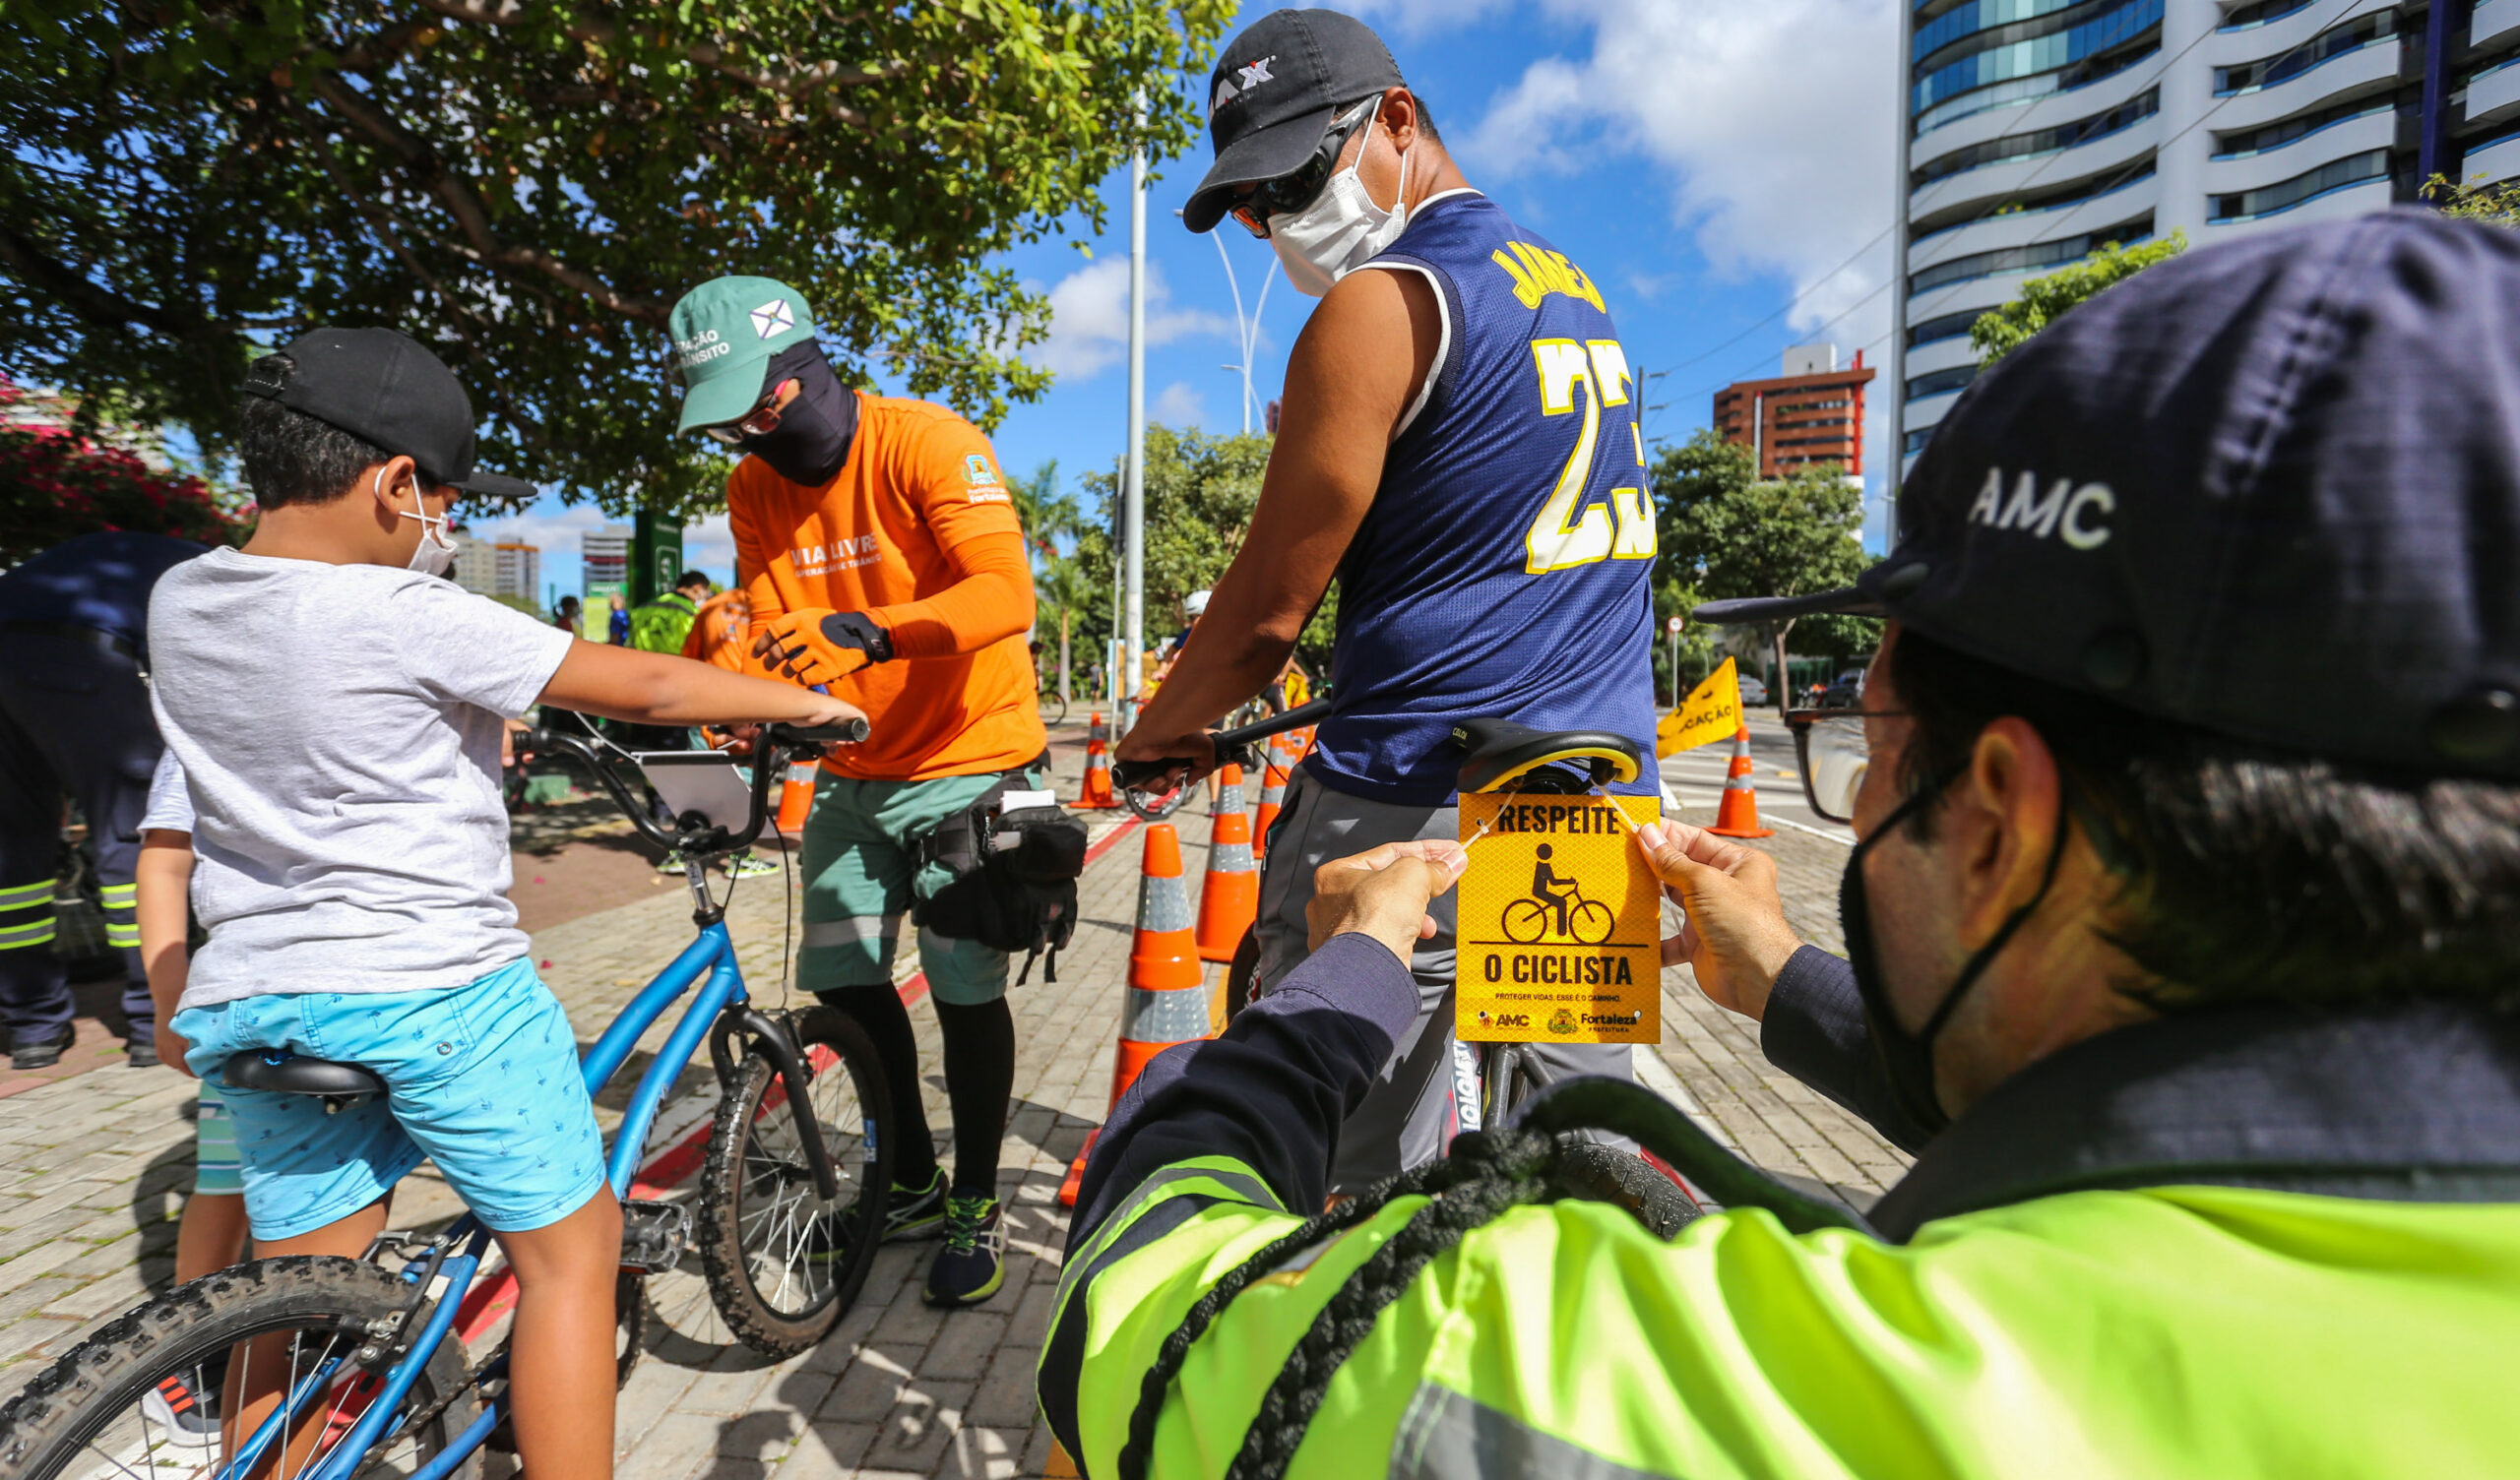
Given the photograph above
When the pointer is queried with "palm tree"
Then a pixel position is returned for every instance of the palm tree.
(1047, 514)
(1060, 586)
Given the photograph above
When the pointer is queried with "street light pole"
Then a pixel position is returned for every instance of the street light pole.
(1133, 490)
(1246, 330)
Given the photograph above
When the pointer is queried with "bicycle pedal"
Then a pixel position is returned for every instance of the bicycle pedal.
(653, 1234)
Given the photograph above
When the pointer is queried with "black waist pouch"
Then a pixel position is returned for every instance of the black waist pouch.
(1015, 874)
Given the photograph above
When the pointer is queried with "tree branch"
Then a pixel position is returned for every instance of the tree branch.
(470, 216)
(99, 306)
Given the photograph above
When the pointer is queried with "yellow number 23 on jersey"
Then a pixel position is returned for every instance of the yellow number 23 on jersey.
(1569, 532)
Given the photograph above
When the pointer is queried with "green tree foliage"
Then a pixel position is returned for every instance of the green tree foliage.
(1063, 597)
(1199, 491)
(529, 187)
(1723, 533)
(2000, 332)
(2494, 205)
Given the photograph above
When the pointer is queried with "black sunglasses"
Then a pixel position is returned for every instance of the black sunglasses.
(1300, 187)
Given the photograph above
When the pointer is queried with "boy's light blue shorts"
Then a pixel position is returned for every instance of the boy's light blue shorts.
(484, 1080)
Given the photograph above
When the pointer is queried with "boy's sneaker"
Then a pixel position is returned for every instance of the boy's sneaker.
(671, 863)
(747, 866)
(184, 1416)
(972, 1263)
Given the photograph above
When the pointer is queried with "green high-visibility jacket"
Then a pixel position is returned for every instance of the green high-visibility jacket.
(2178, 1330)
(659, 626)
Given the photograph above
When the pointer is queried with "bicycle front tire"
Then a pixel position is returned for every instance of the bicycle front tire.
(83, 1415)
(782, 1264)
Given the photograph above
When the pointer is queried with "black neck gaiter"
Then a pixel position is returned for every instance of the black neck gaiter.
(811, 440)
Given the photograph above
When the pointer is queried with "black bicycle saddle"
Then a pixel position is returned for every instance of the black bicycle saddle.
(290, 1074)
(1503, 756)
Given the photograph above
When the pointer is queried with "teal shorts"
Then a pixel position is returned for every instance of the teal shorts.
(862, 877)
(483, 1078)
(215, 1165)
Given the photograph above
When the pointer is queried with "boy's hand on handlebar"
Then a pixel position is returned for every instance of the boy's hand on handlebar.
(822, 712)
(1384, 893)
(1733, 930)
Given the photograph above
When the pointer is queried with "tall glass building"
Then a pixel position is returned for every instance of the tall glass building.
(2041, 129)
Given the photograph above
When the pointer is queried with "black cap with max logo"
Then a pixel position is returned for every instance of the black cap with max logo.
(384, 386)
(1275, 94)
(2270, 489)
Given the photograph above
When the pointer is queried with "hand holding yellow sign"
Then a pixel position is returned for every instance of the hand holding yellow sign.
(1713, 712)
(1559, 921)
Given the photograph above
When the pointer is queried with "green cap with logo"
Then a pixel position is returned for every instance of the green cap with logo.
(724, 332)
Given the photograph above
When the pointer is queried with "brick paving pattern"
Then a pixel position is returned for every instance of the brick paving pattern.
(93, 1170)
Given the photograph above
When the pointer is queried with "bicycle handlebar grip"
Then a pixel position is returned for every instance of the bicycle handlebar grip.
(849, 733)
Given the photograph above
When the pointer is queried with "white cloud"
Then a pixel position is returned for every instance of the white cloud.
(1089, 319)
(1771, 122)
(1179, 406)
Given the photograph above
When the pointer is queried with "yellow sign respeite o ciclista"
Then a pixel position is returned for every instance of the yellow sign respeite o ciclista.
(1559, 933)
(1712, 712)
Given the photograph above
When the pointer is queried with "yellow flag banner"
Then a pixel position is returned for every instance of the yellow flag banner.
(1713, 712)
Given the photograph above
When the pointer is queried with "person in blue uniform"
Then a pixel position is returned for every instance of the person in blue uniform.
(75, 722)
(1459, 446)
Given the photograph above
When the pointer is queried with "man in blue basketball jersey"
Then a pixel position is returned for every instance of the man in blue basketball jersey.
(1458, 446)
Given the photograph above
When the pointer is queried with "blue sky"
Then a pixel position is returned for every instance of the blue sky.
(1722, 168)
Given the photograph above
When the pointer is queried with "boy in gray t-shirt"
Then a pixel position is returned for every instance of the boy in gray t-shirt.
(335, 708)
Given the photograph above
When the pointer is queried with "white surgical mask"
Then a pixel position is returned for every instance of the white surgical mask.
(434, 555)
(1343, 228)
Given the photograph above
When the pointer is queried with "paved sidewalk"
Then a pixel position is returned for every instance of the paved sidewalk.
(95, 1167)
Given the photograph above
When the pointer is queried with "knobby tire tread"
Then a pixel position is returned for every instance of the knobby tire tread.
(39, 1428)
(717, 1231)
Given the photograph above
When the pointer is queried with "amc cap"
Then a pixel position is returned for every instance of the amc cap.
(386, 387)
(2270, 489)
(724, 333)
(1274, 95)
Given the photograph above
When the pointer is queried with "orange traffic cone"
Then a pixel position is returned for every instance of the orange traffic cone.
(1273, 797)
(1097, 791)
(1738, 816)
(1167, 1001)
(1229, 896)
(796, 794)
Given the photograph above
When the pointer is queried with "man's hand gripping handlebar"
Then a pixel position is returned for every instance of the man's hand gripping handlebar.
(1174, 774)
(695, 836)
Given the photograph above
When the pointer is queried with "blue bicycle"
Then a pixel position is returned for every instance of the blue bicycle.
(790, 1211)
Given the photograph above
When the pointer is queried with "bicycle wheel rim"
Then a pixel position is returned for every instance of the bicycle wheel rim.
(120, 1439)
(797, 1250)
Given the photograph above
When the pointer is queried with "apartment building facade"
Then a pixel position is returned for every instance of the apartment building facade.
(1809, 414)
(2038, 130)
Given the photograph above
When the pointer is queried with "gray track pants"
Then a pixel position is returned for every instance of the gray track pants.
(1412, 1113)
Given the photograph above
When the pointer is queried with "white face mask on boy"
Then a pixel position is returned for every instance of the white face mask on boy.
(1343, 228)
(434, 555)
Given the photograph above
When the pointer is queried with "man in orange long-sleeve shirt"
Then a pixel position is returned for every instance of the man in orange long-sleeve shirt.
(880, 552)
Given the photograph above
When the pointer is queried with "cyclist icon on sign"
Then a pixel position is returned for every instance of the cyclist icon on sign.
(1557, 901)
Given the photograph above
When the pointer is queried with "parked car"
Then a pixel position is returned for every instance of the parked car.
(1846, 693)
(1754, 690)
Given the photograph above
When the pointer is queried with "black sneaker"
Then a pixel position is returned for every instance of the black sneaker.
(972, 1263)
(188, 1419)
(911, 1213)
(27, 1053)
(142, 1053)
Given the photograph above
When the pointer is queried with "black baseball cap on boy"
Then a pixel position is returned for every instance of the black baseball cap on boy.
(1274, 95)
(2269, 489)
(384, 386)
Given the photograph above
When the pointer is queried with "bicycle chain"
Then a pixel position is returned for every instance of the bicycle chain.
(430, 1414)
